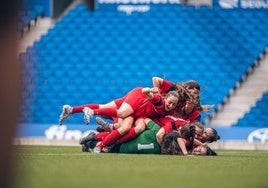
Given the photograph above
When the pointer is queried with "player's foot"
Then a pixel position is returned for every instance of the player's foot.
(97, 149)
(105, 125)
(90, 136)
(88, 113)
(65, 114)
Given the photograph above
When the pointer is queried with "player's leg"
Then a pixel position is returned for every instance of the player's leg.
(68, 110)
(90, 136)
(131, 102)
(124, 111)
(133, 132)
(105, 125)
(116, 134)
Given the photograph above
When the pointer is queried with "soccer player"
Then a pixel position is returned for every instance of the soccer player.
(189, 109)
(171, 144)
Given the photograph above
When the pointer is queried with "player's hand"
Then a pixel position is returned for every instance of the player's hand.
(155, 90)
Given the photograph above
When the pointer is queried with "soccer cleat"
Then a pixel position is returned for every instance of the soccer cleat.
(88, 113)
(105, 125)
(100, 129)
(90, 136)
(66, 113)
(85, 148)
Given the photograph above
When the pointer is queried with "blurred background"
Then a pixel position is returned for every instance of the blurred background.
(77, 52)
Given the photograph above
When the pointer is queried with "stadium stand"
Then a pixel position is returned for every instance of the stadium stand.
(28, 14)
(257, 116)
(97, 56)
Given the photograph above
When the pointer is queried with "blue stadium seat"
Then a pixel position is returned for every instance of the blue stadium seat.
(257, 116)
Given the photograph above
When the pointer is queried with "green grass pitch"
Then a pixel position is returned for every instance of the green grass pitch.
(69, 167)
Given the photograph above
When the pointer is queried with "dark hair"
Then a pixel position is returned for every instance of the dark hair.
(192, 84)
(215, 136)
(183, 92)
(210, 151)
(170, 145)
(188, 132)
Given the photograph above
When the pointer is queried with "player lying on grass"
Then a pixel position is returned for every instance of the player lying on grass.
(146, 142)
(167, 124)
(170, 146)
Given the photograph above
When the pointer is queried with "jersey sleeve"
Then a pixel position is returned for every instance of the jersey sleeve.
(157, 100)
(173, 124)
(166, 86)
(194, 115)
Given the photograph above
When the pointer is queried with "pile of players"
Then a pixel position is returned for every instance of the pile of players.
(164, 119)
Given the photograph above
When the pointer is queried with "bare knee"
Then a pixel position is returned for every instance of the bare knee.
(125, 125)
(139, 129)
(123, 129)
(139, 126)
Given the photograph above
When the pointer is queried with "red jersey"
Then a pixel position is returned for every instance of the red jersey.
(169, 86)
(153, 108)
(192, 116)
(169, 123)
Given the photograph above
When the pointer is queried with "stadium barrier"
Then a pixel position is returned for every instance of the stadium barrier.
(250, 138)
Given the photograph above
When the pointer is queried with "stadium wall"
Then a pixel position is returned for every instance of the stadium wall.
(44, 134)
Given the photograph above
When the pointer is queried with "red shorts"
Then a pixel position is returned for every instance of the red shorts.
(135, 98)
(118, 102)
